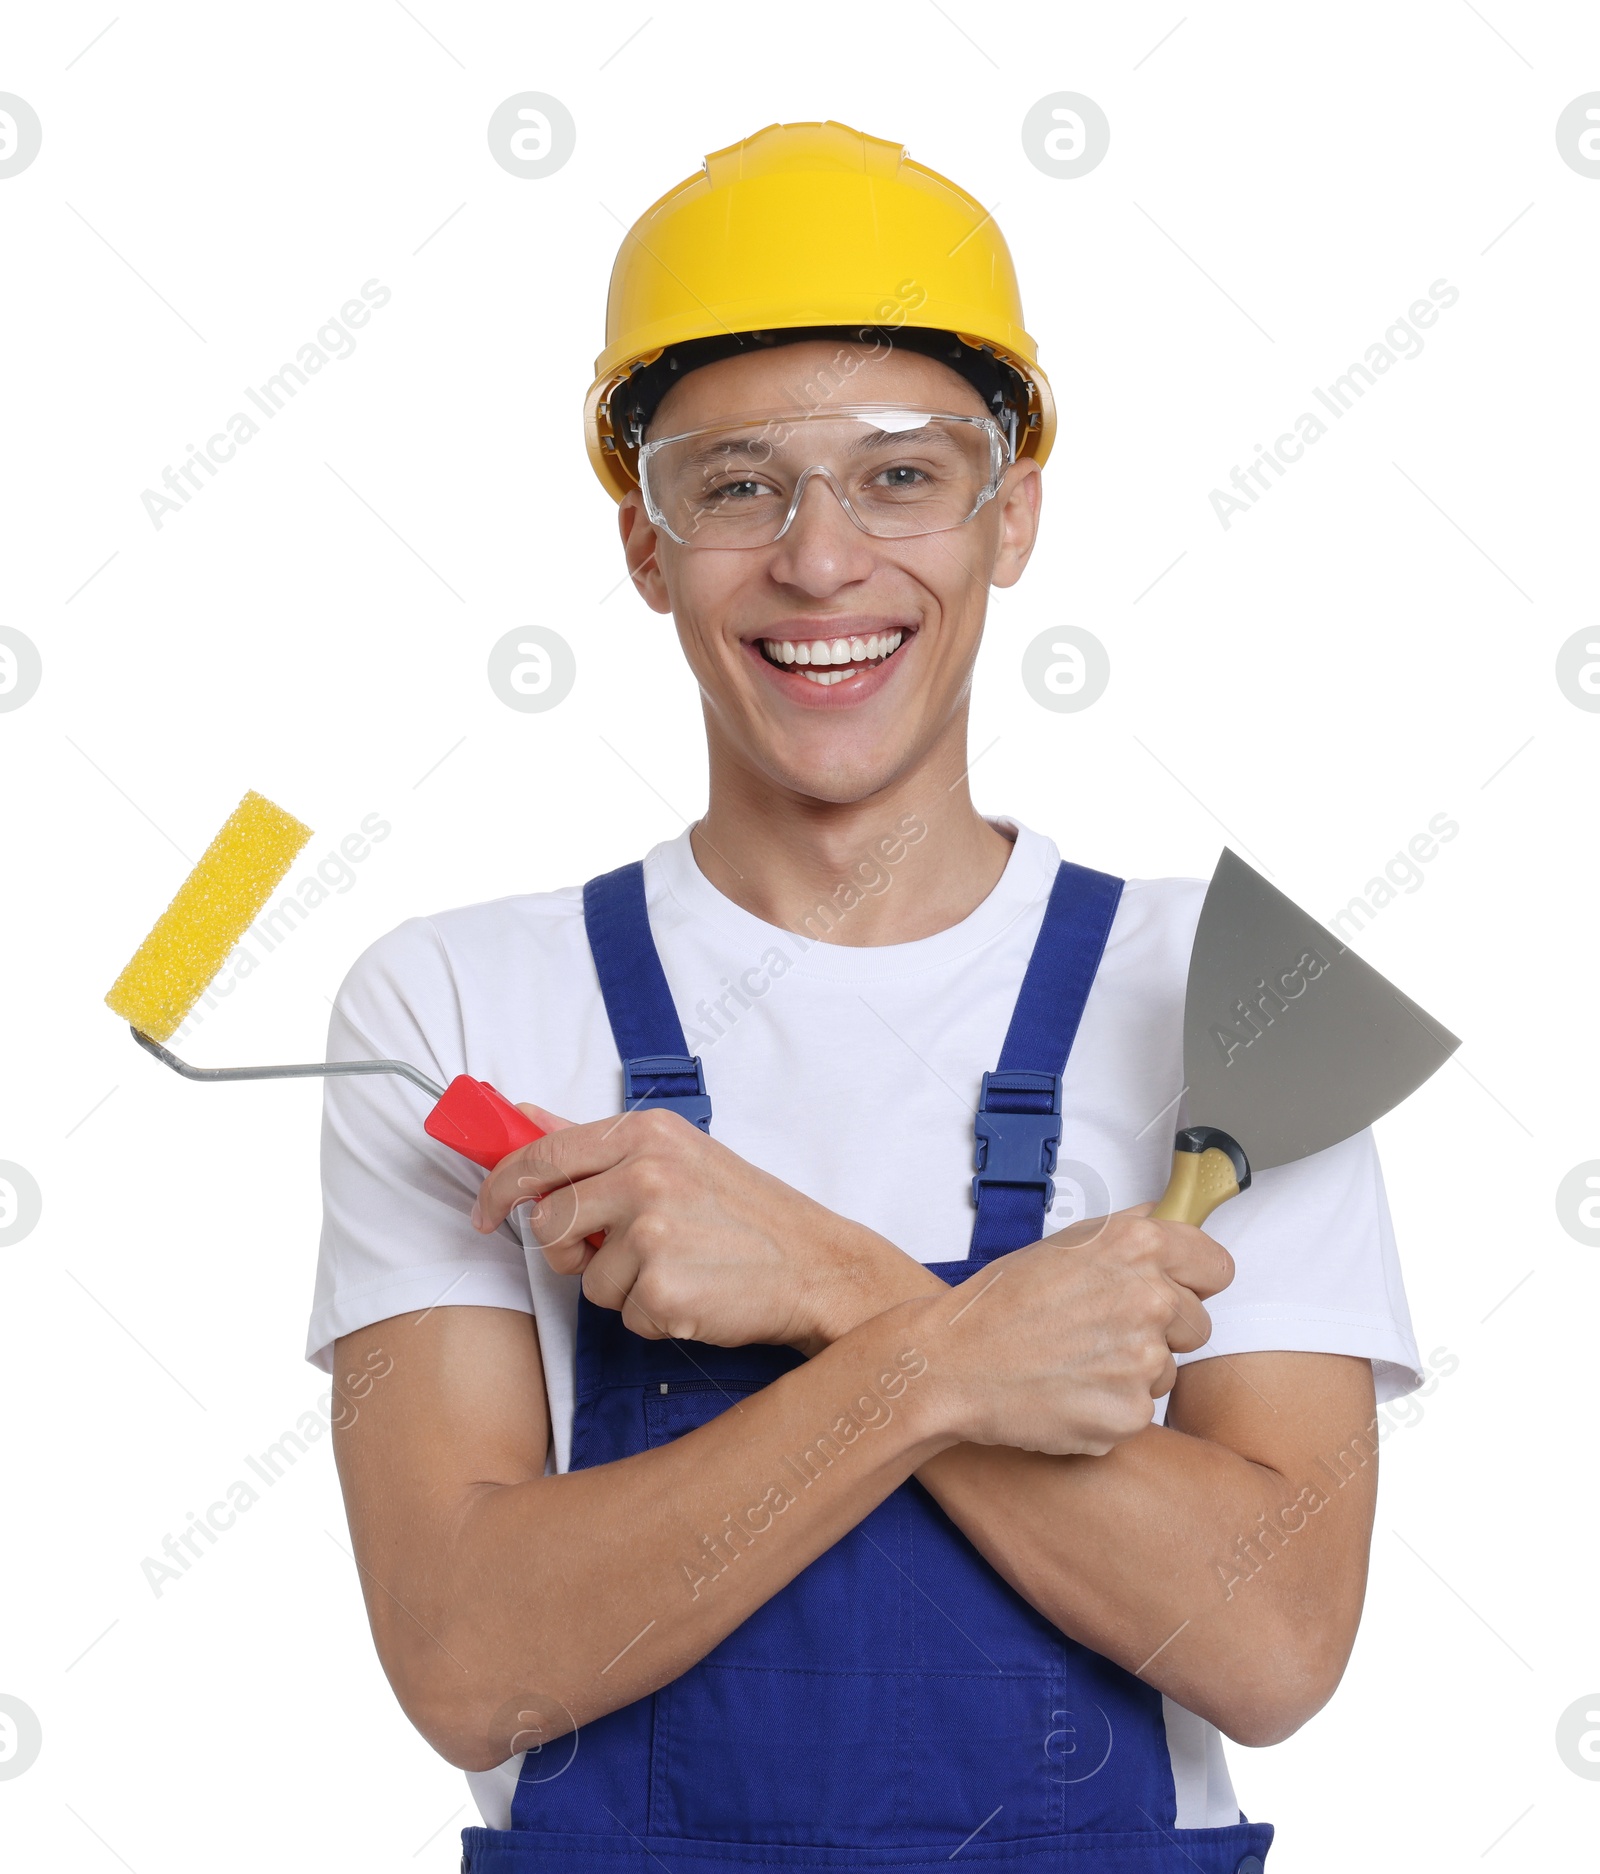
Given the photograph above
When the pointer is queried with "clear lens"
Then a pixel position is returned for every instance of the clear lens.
(896, 471)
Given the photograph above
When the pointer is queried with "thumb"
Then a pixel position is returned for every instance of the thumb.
(546, 1122)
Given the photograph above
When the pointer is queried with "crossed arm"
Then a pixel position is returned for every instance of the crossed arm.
(1215, 1556)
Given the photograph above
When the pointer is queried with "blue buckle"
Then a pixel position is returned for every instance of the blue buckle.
(1017, 1129)
(674, 1081)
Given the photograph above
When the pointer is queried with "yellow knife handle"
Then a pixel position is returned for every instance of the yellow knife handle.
(1208, 1167)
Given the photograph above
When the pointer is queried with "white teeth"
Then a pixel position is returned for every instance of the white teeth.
(840, 656)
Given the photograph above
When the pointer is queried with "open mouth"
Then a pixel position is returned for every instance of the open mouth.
(832, 660)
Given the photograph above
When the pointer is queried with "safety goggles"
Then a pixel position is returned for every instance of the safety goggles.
(896, 471)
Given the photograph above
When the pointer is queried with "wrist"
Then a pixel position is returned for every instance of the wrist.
(860, 1275)
(892, 1355)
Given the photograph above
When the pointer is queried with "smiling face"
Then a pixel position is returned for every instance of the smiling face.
(831, 663)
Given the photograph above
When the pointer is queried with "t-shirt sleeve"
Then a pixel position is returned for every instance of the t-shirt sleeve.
(1317, 1270)
(1316, 1266)
(396, 1233)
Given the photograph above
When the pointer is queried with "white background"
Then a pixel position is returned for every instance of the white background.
(1372, 644)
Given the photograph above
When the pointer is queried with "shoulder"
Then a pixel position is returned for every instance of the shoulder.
(432, 980)
(441, 945)
(1155, 924)
(1144, 901)
(1155, 918)
(1163, 900)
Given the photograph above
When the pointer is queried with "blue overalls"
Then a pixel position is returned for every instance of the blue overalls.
(898, 1705)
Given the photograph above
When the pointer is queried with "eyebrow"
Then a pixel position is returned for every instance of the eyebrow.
(721, 450)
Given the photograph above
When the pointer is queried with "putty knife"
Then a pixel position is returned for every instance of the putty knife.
(1290, 1042)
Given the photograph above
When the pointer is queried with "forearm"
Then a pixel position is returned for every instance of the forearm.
(1191, 1566)
(582, 1592)
(1173, 1555)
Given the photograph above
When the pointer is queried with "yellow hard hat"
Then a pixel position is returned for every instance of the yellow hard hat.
(809, 225)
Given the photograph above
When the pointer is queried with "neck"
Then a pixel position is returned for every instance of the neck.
(906, 862)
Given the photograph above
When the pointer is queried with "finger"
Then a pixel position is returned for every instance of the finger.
(528, 1172)
(562, 1219)
(1165, 1380)
(564, 1157)
(1190, 1326)
(639, 1320)
(1197, 1261)
(545, 1121)
(488, 1211)
(611, 1274)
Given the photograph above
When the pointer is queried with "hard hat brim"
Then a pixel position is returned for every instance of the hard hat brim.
(615, 460)
(809, 224)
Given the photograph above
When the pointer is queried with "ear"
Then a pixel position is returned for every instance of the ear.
(1018, 502)
(639, 542)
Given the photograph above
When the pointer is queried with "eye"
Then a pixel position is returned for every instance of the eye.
(740, 488)
(902, 476)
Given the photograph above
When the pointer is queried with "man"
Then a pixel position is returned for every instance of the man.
(824, 1516)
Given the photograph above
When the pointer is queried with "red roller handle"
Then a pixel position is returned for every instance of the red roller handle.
(482, 1124)
(479, 1123)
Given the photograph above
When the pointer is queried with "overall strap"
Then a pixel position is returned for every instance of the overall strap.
(657, 1067)
(1018, 1125)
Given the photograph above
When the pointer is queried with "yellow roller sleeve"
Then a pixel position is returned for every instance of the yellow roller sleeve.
(215, 905)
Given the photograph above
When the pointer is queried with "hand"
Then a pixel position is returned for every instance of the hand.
(699, 1245)
(1065, 1346)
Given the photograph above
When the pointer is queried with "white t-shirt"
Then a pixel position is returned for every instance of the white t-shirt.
(852, 1073)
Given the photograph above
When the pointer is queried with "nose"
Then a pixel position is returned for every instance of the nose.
(821, 549)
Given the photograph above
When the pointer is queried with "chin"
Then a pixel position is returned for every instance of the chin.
(842, 781)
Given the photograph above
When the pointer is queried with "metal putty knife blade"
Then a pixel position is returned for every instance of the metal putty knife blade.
(1290, 1042)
